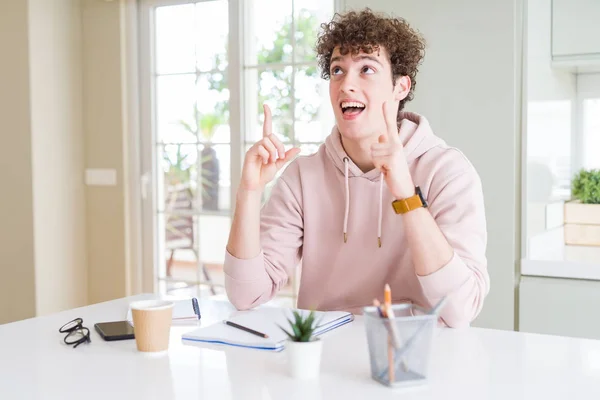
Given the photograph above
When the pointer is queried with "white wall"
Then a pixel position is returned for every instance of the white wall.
(63, 107)
(42, 233)
(468, 88)
(57, 154)
(17, 268)
(105, 127)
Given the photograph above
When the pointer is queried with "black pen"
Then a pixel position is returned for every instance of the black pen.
(252, 331)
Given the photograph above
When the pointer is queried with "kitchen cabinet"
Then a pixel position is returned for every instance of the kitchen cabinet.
(566, 307)
(576, 32)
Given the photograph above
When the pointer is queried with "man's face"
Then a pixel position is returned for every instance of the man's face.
(358, 87)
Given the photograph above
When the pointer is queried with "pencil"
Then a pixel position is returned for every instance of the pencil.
(377, 304)
(252, 331)
(387, 306)
(390, 360)
(387, 301)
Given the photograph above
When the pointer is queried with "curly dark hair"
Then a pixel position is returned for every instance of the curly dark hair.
(366, 31)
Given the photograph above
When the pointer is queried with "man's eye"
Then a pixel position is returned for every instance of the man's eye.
(336, 71)
(368, 70)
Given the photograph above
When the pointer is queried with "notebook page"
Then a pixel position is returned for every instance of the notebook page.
(266, 320)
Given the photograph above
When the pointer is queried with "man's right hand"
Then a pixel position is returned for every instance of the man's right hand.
(265, 158)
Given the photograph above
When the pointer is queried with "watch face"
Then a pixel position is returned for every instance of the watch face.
(418, 190)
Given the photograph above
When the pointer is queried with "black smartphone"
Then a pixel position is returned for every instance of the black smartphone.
(116, 330)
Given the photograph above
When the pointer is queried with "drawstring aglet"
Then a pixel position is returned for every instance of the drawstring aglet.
(345, 237)
(379, 241)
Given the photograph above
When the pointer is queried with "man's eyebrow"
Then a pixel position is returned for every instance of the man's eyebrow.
(362, 57)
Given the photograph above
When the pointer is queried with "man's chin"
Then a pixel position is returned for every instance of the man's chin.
(352, 131)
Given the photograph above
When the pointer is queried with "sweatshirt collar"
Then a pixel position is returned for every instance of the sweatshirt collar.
(415, 134)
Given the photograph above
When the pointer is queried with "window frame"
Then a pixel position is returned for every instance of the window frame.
(588, 86)
(239, 118)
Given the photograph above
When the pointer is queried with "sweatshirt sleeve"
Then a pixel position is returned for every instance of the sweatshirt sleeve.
(251, 282)
(457, 206)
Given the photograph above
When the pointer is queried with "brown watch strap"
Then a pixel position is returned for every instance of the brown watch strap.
(411, 203)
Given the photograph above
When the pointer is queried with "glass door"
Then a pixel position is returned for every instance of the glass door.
(187, 144)
(206, 69)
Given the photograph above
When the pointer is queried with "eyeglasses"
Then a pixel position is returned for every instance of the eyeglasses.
(76, 332)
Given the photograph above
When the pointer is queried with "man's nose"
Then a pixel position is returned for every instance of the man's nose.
(348, 84)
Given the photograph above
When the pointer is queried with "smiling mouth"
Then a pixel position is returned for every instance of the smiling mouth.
(352, 107)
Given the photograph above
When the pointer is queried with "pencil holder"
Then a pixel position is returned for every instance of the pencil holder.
(400, 348)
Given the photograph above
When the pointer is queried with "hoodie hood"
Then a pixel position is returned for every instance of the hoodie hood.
(415, 134)
(416, 137)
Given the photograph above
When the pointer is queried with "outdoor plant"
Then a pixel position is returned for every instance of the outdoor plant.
(302, 327)
(586, 186)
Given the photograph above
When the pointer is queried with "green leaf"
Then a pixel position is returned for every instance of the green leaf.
(187, 126)
(305, 338)
(308, 323)
(297, 331)
(298, 318)
(585, 186)
(292, 337)
(302, 326)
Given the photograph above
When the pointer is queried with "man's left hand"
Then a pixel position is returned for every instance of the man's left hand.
(388, 156)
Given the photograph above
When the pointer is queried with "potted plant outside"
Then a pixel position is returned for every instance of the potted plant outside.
(582, 215)
(209, 160)
(303, 349)
(204, 129)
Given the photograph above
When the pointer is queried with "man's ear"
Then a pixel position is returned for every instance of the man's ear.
(402, 87)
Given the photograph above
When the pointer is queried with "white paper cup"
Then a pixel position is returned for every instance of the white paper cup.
(152, 324)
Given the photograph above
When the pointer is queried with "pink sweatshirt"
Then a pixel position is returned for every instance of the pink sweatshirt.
(320, 197)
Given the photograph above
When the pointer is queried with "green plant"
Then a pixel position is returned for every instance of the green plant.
(275, 52)
(303, 327)
(205, 124)
(177, 169)
(203, 127)
(586, 186)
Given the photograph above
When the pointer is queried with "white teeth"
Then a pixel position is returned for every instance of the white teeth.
(346, 104)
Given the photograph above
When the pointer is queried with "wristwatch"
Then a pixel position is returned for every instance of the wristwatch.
(411, 203)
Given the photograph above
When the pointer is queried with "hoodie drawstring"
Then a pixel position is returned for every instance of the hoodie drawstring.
(380, 209)
(347, 208)
(347, 199)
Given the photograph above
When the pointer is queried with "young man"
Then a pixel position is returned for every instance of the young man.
(382, 201)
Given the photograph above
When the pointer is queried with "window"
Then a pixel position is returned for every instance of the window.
(188, 141)
(280, 70)
(549, 150)
(588, 96)
(591, 133)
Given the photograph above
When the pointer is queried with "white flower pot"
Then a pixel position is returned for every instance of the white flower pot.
(304, 359)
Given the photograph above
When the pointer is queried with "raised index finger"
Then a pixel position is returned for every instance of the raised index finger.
(390, 115)
(267, 124)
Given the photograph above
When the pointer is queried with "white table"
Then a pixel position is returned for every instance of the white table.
(467, 364)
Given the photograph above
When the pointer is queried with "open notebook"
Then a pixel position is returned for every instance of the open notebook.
(266, 320)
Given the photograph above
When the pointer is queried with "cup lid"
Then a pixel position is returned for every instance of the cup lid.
(151, 305)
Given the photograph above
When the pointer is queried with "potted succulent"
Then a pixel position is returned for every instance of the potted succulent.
(303, 348)
(582, 215)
